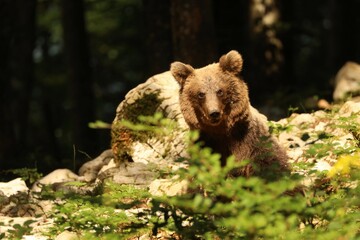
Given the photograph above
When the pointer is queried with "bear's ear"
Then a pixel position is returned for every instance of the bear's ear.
(231, 62)
(181, 71)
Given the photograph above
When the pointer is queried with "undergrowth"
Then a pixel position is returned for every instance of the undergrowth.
(106, 215)
(220, 207)
(252, 208)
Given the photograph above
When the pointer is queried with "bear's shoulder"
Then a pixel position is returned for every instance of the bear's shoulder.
(258, 118)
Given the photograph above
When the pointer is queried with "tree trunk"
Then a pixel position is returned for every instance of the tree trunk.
(193, 32)
(287, 10)
(231, 24)
(265, 46)
(79, 75)
(16, 66)
(158, 32)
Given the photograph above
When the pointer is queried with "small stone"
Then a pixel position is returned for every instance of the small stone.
(304, 118)
(349, 108)
(289, 140)
(67, 235)
(295, 154)
(322, 166)
(169, 187)
(320, 114)
(320, 127)
(90, 169)
(13, 187)
(323, 104)
(56, 176)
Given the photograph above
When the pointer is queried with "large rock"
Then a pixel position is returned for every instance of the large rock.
(154, 150)
(158, 94)
(136, 157)
(347, 81)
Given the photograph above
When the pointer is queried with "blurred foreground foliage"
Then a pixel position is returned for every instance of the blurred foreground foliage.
(217, 206)
(251, 208)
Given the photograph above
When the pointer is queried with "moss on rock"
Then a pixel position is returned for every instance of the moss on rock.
(122, 138)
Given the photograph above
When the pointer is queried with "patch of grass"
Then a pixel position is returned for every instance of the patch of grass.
(102, 215)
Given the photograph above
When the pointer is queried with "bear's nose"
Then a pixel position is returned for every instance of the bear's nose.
(215, 114)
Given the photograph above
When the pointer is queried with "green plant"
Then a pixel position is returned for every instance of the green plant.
(98, 124)
(158, 133)
(30, 175)
(228, 208)
(155, 125)
(349, 124)
(292, 110)
(18, 230)
(219, 207)
(102, 215)
(277, 128)
(333, 205)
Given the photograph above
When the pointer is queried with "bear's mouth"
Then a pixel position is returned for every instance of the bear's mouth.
(211, 119)
(215, 120)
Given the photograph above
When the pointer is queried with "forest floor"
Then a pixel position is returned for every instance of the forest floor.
(325, 141)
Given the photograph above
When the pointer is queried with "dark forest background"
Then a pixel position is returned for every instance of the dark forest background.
(65, 63)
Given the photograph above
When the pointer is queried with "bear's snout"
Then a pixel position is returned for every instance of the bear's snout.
(213, 109)
(215, 115)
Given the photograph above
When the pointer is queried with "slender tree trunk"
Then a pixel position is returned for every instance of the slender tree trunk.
(23, 66)
(79, 75)
(231, 24)
(52, 145)
(193, 32)
(7, 120)
(17, 29)
(287, 37)
(158, 32)
(332, 42)
(266, 45)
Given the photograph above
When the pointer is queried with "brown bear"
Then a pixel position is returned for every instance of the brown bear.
(215, 101)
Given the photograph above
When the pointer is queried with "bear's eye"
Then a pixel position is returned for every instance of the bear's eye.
(201, 95)
(219, 93)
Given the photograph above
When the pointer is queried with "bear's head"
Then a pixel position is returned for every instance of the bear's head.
(212, 97)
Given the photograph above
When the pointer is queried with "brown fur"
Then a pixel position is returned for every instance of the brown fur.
(215, 101)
